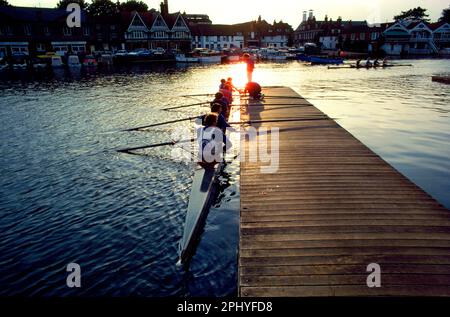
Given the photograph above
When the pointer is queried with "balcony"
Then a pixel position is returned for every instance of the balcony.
(420, 39)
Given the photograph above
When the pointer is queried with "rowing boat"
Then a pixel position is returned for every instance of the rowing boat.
(203, 192)
(362, 67)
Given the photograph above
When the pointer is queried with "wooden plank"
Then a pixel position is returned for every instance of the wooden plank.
(347, 279)
(347, 290)
(300, 270)
(333, 207)
(362, 259)
(347, 243)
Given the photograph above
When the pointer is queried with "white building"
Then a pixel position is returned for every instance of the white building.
(329, 42)
(216, 37)
(275, 41)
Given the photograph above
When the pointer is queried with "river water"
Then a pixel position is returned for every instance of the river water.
(68, 196)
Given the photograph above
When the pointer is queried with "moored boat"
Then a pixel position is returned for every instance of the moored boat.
(73, 61)
(317, 60)
(186, 58)
(90, 61)
(208, 56)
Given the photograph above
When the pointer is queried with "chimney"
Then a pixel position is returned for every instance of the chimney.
(311, 14)
(165, 7)
(305, 14)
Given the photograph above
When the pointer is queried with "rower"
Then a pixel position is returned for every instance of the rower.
(358, 63)
(219, 98)
(385, 62)
(212, 141)
(223, 84)
(227, 93)
(254, 90)
(368, 63)
(230, 83)
(218, 109)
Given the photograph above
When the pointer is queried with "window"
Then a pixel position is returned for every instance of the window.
(159, 22)
(159, 35)
(40, 47)
(225, 45)
(19, 49)
(180, 23)
(137, 22)
(86, 31)
(78, 48)
(8, 30)
(60, 49)
(27, 30)
(112, 27)
(67, 31)
(362, 36)
(46, 30)
(353, 36)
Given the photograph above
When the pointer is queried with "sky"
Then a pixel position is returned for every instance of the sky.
(236, 11)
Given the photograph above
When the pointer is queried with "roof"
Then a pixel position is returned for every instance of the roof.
(436, 25)
(171, 19)
(215, 29)
(37, 14)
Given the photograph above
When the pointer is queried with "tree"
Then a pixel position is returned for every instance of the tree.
(445, 15)
(62, 4)
(4, 3)
(416, 14)
(133, 5)
(102, 8)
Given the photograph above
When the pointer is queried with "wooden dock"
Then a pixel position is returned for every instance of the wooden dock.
(332, 208)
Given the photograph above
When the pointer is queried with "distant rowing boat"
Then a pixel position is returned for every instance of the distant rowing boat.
(441, 79)
(381, 66)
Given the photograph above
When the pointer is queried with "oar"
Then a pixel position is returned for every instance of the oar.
(172, 143)
(186, 106)
(250, 105)
(279, 97)
(273, 104)
(280, 120)
(160, 124)
(203, 95)
(198, 95)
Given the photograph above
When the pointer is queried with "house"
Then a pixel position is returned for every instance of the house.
(154, 29)
(260, 33)
(415, 37)
(441, 34)
(195, 19)
(38, 30)
(360, 36)
(216, 36)
(108, 33)
(276, 35)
